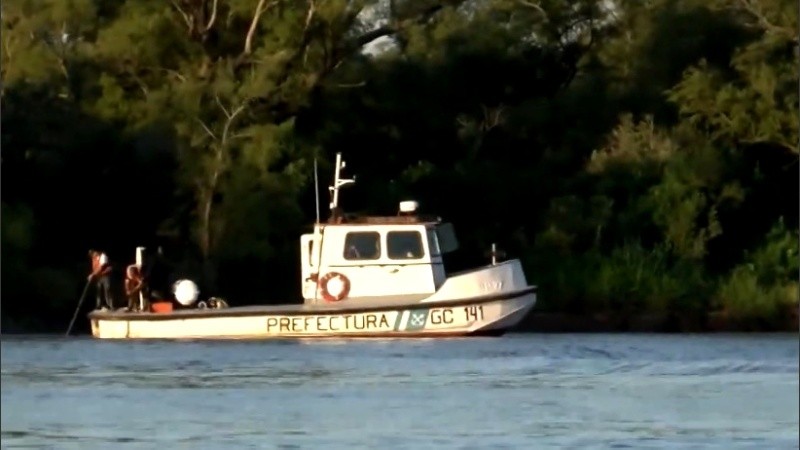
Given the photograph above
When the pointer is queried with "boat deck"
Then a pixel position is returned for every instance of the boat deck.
(351, 305)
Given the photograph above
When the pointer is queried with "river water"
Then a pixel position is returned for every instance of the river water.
(520, 391)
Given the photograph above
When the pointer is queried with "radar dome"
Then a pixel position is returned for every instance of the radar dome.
(408, 206)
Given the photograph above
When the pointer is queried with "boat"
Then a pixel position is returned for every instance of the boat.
(361, 277)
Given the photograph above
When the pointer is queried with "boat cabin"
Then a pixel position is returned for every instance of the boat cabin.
(378, 256)
(348, 258)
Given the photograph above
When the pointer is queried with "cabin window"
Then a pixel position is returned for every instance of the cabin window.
(446, 238)
(433, 243)
(362, 245)
(404, 245)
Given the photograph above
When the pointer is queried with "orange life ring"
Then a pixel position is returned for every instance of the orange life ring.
(326, 294)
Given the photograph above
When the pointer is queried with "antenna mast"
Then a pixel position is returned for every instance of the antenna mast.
(316, 187)
(338, 182)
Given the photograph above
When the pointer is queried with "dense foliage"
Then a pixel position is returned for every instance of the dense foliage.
(638, 156)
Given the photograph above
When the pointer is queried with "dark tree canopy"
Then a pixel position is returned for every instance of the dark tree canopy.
(636, 156)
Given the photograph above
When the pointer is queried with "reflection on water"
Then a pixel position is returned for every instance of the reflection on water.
(518, 391)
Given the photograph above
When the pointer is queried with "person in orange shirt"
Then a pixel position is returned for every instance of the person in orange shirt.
(101, 273)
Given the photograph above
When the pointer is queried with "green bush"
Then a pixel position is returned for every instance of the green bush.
(764, 286)
(634, 279)
(630, 280)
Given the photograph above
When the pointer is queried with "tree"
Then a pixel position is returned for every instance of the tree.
(758, 103)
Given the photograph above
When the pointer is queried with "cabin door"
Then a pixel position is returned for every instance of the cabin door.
(308, 264)
(408, 265)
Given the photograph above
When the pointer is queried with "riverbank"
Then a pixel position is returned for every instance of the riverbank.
(656, 323)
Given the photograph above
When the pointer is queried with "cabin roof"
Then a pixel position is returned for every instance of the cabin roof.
(385, 220)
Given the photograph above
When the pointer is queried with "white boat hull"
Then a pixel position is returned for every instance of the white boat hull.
(487, 315)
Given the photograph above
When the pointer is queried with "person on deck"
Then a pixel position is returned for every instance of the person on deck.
(134, 285)
(101, 274)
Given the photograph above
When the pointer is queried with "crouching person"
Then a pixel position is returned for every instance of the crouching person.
(134, 289)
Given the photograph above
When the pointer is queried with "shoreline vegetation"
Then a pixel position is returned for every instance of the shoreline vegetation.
(639, 158)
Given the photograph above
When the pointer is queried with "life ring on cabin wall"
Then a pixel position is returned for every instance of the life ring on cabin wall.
(334, 286)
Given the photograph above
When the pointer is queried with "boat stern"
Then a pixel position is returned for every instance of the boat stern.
(95, 327)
